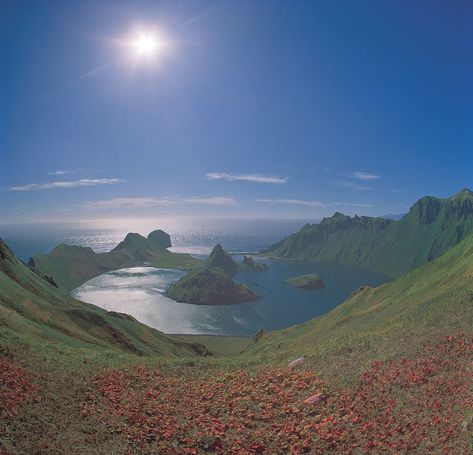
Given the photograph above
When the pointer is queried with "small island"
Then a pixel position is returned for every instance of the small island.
(250, 264)
(310, 281)
(211, 283)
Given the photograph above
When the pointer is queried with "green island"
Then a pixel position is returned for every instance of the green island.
(310, 281)
(251, 264)
(211, 282)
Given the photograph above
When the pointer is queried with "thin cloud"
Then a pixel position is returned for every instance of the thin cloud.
(65, 172)
(65, 184)
(144, 202)
(257, 178)
(360, 175)
(312, 203)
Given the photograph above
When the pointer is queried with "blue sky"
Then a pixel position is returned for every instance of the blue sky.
(255, 109)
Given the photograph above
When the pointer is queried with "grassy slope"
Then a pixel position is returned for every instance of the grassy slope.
(71, 266)
(431, 228)
(434, 299)
(31, 306)
(221, 346)
(390, 321)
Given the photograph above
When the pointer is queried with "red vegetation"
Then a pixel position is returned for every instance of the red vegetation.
(15, 388)
(417, 405)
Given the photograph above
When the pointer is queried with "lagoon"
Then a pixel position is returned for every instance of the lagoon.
(140, 292)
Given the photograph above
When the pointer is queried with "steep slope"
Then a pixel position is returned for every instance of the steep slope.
(70, 265)
(31, 305)
(431, 227)
(433, 300)
(211, 283)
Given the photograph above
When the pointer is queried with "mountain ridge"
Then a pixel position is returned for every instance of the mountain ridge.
(430, 228)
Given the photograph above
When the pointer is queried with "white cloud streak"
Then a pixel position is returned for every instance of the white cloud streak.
(65, 184)
(256, 178)
(360, 175)
(144, 202)
(65, 172)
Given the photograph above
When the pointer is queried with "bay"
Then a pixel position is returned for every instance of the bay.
(140, 292)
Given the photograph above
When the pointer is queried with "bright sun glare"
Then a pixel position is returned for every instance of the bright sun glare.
(146, 45)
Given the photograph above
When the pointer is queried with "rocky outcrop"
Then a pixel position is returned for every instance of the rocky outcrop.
(160, 238)
(211, 283)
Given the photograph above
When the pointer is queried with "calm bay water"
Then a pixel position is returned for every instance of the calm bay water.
(140, 291)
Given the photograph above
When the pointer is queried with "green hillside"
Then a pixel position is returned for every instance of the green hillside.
(70, 265)
(31, 306)
(79, 387)
(375, 323)
(431, 227)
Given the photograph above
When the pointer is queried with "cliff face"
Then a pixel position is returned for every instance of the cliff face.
(5, 252)
(430, 228)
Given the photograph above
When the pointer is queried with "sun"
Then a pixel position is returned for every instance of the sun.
(146, 45)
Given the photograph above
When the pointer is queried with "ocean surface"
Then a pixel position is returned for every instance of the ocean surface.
(140, 291)
(195, 236)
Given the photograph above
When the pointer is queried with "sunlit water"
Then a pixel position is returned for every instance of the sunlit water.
(140, 292)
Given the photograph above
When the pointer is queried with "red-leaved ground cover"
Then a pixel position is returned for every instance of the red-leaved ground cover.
(15, 388)
(412, 405)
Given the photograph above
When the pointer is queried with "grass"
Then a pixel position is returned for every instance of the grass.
(106, 402)
(417, 328)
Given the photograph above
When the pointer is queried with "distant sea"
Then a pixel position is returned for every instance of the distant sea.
(140, 291)
(195, 236)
